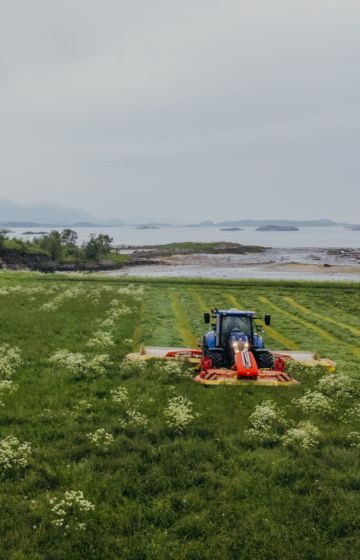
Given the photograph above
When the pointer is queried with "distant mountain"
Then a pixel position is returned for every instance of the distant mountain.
(295, 223)
(13, 214)
(51, 214)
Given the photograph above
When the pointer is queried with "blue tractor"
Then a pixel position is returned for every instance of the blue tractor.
(232, 330)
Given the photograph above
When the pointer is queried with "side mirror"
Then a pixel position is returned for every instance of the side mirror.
(267, 320)
(207, 317)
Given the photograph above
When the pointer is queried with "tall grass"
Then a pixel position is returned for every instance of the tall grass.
(210, 490)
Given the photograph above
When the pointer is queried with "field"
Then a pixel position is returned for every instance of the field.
(100, 459)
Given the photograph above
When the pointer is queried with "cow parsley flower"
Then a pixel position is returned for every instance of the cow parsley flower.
(352, 415)
(120, 394)
(71, 511)
(10, 360)
(179, 413)
(304, 436)
(133, 418)
(100, 438)
(79, 365)
(100, 339)
(131, 367)
(265, 422)
(354, 438)
(176, 369)
(336, 385)
(6, 387)
(83, 407)
(314, 402)
(14, 454)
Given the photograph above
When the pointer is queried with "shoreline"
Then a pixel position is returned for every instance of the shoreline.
(278, 264)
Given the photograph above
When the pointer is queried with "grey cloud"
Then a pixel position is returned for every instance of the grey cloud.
(163, 107)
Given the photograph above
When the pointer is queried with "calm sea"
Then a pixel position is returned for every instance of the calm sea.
(305, 237)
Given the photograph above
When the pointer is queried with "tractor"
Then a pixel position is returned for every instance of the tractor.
(233, 331)
(234, 353)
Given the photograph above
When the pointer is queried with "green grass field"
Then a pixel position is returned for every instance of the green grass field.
(169, 469)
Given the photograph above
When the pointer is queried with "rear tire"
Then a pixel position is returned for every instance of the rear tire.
(265, 360)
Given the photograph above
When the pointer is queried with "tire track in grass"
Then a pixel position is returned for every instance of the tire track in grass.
(182, 324)
(309, 326)
(273, 333)
(290, 301)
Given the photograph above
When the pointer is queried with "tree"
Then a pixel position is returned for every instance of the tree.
(69, 237)
(98, 246)
(51, 243)
(3, 237)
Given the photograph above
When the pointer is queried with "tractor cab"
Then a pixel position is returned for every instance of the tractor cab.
(232, 329)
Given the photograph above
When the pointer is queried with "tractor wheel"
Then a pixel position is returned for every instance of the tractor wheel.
(265, 360)
(216, 358)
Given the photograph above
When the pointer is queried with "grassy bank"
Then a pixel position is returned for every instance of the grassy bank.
(178, 471)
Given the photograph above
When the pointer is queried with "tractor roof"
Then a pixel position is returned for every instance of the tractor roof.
(235, 312)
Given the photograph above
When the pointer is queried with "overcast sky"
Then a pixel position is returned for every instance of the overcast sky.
(190, 109)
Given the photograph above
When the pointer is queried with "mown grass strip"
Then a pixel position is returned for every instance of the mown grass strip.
(182, 324)
(286, 342)
(290, 301)
(199, 301)
(137, 336)
(310, 326)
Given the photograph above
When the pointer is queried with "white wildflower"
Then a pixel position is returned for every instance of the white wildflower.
(107, 323)
(8, 386)
(14, 454)
(120, 394)
(314, 402)
(10, 360)
(70, 293)
(49, 306)
(336, 385)
(83, 407)
(133, 418)
(305, 436)
(71, 511)
(74, 362)
(98, 364)
(100, 438)
(79, 365)
(354, 438)
(130, 367)
(352, 415)
(179, 413)
(100, 339)
(176, 368)
(265, 421)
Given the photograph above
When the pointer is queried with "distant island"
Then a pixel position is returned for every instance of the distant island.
(231, 229)
(147, 226)
(34, 233)
(271, 227)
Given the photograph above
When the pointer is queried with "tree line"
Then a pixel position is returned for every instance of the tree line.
(61, 246)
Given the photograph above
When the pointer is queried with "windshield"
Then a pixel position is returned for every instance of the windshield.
(231, 322)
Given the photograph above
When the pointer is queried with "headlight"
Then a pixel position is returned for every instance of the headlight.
(240, 345)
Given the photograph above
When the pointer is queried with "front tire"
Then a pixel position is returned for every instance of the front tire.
(216, 358)
(265, 360)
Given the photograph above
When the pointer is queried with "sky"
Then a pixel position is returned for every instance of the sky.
(189, 110)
